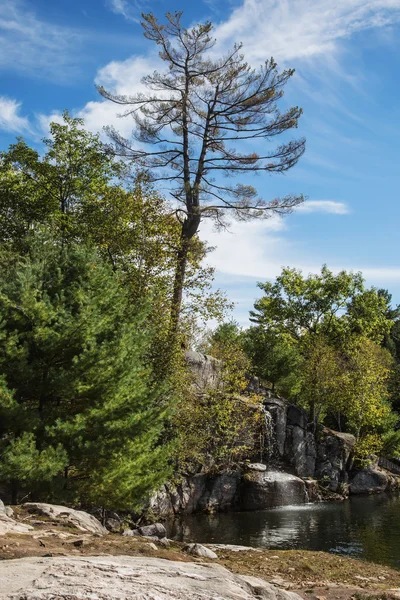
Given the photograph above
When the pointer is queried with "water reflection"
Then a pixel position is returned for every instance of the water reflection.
(364, 527)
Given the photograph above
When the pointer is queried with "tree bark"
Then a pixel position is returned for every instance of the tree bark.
(189, 230)
(179, 280)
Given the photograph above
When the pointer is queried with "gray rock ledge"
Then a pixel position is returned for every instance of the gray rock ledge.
(128, 578)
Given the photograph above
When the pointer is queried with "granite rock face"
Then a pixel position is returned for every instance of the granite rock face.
(300, 448)
(334, 458)
(206, 370)
(369, 480)
(198, 493)
(128, 578)
(271, 488)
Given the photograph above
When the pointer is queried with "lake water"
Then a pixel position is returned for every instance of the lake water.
(361, 527)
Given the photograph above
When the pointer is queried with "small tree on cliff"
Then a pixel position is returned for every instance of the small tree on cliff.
(194, 116)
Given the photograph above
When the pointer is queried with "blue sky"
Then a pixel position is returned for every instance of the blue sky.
(347, 59)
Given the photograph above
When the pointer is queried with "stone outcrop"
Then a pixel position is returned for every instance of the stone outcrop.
(155, 530)
(266, 489)
(253, 488)
(369, 480)
(300, 448)
(128, 578)
(206, 370)
(76, 518)
(9, 525)
(198, 493)
(334, 458)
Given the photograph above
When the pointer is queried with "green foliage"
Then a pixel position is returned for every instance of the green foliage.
(333, 329)
(365, 392)
(221, 425)
(391, 444)
(217, 429)
(274, 358)
(225, 345)
(320, 381)
(83, 404)
(333, 305)
(73, 172)
(23, 463)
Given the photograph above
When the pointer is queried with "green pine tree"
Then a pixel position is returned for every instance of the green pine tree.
(80, 412)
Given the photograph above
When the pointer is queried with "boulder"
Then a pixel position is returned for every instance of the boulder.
(113, 524)
(160, 503)
(8, 525)
(128, 578)
(156, 530)
(2, 507)
(206, 370)
(271, 488)
(368, 481)
(131, 532)
(334, 458)
(234, 548)
(199, 550)
(62, 514)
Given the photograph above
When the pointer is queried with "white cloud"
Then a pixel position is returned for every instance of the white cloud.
(324, 206)
(118, 77)
(10, 118)
(35, 46)
(131, 11)
(302, 29)
(252, 249)
(260, 249)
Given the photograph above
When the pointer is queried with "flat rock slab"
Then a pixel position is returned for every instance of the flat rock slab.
(77, 518)
(8, 525)
(128, 578)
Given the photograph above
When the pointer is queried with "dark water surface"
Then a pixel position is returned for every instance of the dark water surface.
(362, 527)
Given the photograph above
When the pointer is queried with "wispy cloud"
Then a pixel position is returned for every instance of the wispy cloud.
(324, 206)
(300, 29)
(131, 10)
(10, 118)
(34, 46)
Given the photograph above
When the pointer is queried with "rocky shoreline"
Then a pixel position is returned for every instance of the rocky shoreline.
(299, 466)
(68, 555)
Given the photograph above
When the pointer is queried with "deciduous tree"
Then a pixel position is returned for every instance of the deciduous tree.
(333, 305)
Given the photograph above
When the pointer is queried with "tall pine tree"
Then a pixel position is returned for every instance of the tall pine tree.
(79, 407)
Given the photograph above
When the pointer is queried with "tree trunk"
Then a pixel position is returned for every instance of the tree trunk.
(189, 230)
(179, 281)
